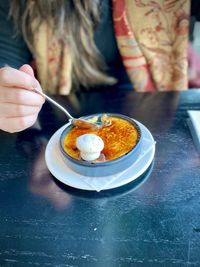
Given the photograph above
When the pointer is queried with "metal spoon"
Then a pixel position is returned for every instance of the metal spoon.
(80, 123)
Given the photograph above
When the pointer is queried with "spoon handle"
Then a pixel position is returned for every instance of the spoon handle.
(54, 103)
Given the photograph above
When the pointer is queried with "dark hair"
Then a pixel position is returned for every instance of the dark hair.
(74, 22)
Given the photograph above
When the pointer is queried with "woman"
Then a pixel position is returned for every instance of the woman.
(136, 44)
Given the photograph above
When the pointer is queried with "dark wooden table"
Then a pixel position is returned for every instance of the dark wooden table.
(153, 221)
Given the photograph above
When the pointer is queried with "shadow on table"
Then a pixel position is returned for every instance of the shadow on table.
(122, 190)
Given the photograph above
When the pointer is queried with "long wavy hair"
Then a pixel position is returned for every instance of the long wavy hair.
(74, 23)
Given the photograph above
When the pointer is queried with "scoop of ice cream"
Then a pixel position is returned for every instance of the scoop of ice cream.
(90, 146)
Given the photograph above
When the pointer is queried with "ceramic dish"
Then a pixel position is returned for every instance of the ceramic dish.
(107, 167)
(62, 172)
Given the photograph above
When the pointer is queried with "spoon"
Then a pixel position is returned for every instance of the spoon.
(80, 123)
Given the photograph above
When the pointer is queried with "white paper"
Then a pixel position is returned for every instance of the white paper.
(98, 184)
(194, 125)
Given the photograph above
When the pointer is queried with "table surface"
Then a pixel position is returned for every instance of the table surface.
(152, 221)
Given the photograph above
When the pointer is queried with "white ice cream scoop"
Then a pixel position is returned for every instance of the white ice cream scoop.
(90, 146)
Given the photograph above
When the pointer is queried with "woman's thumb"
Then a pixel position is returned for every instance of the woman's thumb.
(27, 69)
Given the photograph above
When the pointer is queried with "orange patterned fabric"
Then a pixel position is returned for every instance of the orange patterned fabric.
(152, 37)
(53, 62)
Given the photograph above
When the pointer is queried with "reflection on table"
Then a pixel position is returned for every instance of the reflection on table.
(153, 221)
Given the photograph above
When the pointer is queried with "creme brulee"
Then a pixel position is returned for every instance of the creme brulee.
(119, 138)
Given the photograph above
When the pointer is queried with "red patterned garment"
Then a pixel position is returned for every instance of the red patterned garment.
(152, 37)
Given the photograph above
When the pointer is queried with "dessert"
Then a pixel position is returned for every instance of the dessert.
(119, 138)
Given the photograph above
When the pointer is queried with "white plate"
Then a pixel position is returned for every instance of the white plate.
(63, 173)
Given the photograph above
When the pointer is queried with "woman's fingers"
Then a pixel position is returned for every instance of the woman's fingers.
(11, 77)
(19, 105)
(20, 96)
(27, 69)
(15, 110)
(17, 124)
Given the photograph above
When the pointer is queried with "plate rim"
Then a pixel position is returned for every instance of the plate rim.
(110, 186)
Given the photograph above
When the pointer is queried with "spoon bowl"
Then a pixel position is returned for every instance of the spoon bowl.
(94, 122)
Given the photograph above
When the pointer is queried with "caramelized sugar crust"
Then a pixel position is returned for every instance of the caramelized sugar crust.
(119, 139)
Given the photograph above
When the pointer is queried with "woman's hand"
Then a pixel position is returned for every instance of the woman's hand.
(19, 106)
